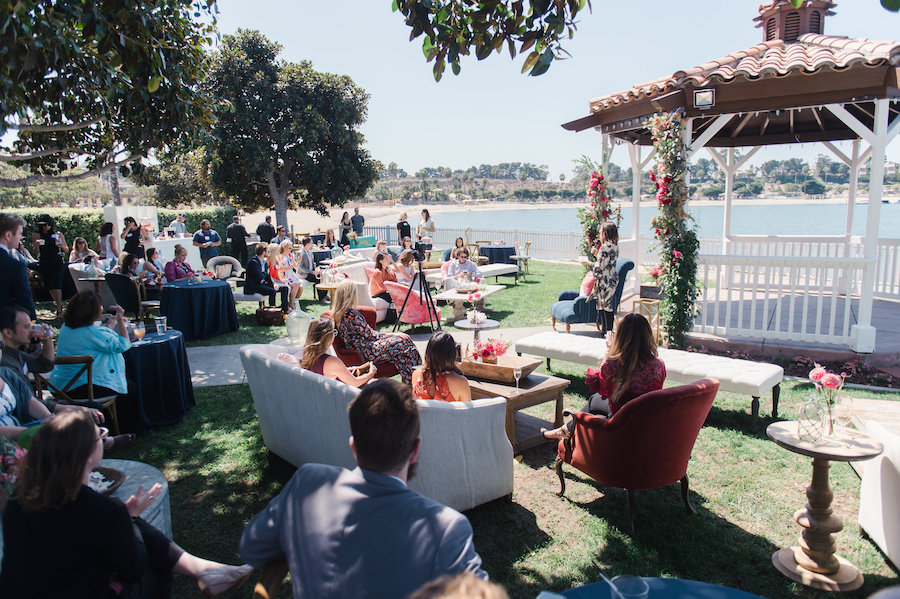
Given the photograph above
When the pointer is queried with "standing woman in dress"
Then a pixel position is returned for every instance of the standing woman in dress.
(378, 348)
(425, 226)
(606, 278)
(345, 226)
(106, 243)
(134, 237)
(50, 247)
(403, 228)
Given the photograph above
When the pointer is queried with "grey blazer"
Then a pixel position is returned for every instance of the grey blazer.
(306, 265)
(358, 534)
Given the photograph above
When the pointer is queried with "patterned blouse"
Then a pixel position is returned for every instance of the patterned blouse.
(605, 276)
(646, 377)
(425, 390)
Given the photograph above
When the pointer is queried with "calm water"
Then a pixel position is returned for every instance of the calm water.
(779, 219)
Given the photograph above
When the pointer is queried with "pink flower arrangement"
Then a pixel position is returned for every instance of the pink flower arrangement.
(828, 384)
(11, 456)
(491, 347)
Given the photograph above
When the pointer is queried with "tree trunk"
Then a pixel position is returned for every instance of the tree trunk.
(279, 197)
(114, 187)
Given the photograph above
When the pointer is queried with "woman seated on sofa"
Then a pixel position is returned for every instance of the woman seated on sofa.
(80, 251)
(109, 550)
(406, 267)
(631, 368)
(319, 338)
(384, 271)
(439, 377)
(378, 348)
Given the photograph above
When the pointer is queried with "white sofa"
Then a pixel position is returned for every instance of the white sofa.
(879, 495)
(436, 276)
(738, 376)
(466, 458)
(357, 273)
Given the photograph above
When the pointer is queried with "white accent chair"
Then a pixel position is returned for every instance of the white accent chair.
(357, 273)
(879, 495)
(77, 272)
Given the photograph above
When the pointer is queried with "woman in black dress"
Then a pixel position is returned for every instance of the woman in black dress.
(51, 249)
(104, 541)
(345, 227)
(133, 234)
(403, 228)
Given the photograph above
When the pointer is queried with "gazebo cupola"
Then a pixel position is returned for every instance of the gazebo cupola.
(779, 20)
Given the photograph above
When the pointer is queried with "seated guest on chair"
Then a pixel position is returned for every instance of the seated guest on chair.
(378, 348)
(177, 269)
(107, 544)
(281, 269)
(461, 269)
(382, 246)
(630, 369)
(80, 251)
(363, 533)
(383, 272)
(319, 338)
(128, 264)
(439, 377)
(15, 327)
(406, 267)
(307, 265)
(80, 336)
(260, 281)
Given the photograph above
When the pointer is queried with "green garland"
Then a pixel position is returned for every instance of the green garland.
(678, 244)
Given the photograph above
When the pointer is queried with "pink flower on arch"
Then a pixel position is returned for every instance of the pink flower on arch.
(677, 254)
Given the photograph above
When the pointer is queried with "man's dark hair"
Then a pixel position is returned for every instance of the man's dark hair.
(306, 239)
(8, 316)
(261, 248)
(384, 421)
(10, 222)
(235, 219)
(82, 309)
(268, 219)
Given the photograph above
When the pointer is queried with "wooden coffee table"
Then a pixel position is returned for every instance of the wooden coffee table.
(524, 431)
(452, 295)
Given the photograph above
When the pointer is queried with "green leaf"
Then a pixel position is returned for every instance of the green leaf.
(530, 61)
(438, 69)
(153, 84)
(797, 3)
(892, 5)
(455, 67)
(394, 6)
(543, 64)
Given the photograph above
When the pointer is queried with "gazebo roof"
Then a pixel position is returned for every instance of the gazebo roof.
(778, 84)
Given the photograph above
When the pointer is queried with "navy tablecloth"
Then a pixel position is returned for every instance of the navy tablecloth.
(498, 254)
(673, 588)
(159, 382)
(317, 238)
(319, 255)
(199, 310)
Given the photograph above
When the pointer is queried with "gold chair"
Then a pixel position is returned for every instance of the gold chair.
(61, 394)
(522, 259)
(474, 254)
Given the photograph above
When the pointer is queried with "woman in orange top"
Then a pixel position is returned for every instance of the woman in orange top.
(383, 272)
(439, 377)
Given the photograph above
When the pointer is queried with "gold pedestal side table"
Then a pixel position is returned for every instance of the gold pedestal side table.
(814, 562)
(649, 309)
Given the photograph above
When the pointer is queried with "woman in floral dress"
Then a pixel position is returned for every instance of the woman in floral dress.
(281, 269)
(606, 278)
(378, 348)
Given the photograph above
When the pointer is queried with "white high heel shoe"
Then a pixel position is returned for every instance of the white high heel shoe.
(216, 581)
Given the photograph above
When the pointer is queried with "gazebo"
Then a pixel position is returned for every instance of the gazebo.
(798, 85)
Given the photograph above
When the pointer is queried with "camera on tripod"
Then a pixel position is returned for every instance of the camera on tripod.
(419, 250)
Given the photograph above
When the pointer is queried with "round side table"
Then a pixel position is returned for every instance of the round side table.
(814, 562)
(485, 325)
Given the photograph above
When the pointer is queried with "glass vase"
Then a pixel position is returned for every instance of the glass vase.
(297, 324)
(842, 412)
(811, 421)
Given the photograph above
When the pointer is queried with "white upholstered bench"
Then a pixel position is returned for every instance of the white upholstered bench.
(488, 270)
(738, 376)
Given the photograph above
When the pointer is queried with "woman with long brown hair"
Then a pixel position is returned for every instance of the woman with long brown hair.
(105, 542)
(631, 368)
(439, 377)
(319, 338)
(378, 348)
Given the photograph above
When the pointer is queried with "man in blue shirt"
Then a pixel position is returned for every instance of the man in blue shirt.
(208, 241)
(357, 222)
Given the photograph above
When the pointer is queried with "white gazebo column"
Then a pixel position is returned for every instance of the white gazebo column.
(863, 333)
(731, 168)
(637, 170)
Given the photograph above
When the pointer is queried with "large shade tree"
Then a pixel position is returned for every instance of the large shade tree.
(289, 134)
(85, 83)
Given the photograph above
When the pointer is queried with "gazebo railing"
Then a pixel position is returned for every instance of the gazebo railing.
(808, 299)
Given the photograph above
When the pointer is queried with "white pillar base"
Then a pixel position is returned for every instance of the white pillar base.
(863, 339)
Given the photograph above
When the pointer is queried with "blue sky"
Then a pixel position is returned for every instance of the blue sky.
(491, 113)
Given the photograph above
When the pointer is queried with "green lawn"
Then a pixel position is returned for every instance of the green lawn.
(745, 489)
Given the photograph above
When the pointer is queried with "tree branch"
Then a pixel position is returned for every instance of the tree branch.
(39, 154)
(19, 183)
(29, 128)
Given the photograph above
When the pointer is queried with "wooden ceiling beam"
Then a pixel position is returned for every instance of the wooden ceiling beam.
(741, 124)
(815, 112)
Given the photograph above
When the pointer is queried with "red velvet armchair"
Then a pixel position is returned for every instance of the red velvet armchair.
(647, 443)
(351, 357)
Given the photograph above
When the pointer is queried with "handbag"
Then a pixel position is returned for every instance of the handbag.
(269, 316)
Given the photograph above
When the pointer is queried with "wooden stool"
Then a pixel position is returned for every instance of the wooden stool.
(649, 309)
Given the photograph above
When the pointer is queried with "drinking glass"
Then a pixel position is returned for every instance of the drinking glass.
(517, 374)
(843, 411)
(630, 587)
(139, 330)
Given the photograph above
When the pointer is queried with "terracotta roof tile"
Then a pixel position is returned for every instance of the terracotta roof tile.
(809, 54)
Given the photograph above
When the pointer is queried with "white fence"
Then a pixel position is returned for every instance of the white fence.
(796, 298)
